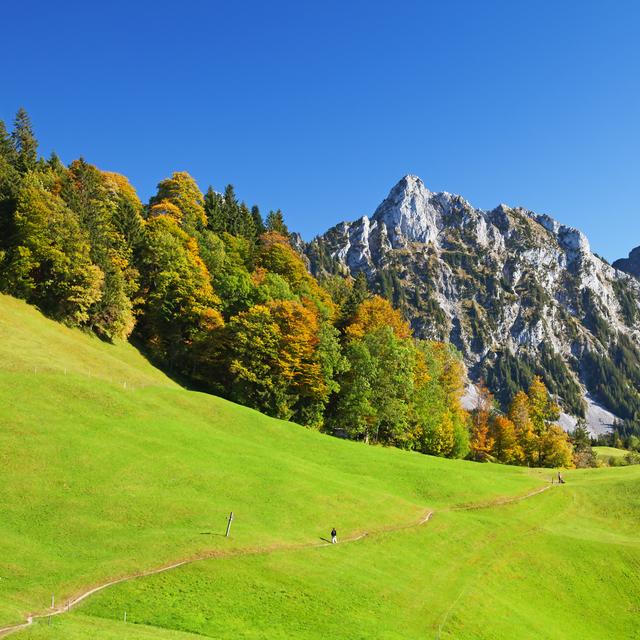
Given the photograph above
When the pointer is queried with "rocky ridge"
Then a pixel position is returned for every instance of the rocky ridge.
(517, 292)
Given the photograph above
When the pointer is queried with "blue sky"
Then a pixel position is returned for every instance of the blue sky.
(319, 108)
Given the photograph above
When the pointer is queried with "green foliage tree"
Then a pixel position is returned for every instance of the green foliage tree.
(49, 262)
(179, 306)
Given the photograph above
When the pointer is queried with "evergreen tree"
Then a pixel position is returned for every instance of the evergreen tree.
(358, 294)
(7, 150)
(258, 223)
(24, 142)
(245, 226)
(231, 213)
(275, 223)
(215, 211)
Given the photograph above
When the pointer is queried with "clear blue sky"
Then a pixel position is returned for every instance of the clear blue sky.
(319, 108)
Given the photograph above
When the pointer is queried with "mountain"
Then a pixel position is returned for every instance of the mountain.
(518, 293)
(630, 265)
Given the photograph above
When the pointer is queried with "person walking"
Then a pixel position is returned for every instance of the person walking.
(334, 536)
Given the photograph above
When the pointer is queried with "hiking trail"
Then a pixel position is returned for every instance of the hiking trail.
(10, 629)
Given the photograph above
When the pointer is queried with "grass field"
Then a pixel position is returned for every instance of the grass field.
(604, 453)
(99, 480)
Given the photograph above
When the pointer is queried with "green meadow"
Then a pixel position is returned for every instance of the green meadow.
(109, 468)
(604, 453)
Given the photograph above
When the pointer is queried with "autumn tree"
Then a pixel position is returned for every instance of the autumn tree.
(506, 448)
(49, 262)
(180, 197)
(374, 313)
(481, 442)
(178, 299)
(519, 414)
(276, 362)
(95, 198)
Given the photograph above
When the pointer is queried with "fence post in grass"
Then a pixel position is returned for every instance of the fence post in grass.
(229, 521)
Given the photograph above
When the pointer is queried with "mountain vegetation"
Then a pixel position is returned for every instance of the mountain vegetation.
(110, 468)
(225, 303)
(518, 294)
(221, 300)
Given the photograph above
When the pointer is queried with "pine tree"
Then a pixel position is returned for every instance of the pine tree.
(24, 142)
(258, 223)
(358, 294)
(215, 211)
(275, 223)
(7, 150)
(245, 226)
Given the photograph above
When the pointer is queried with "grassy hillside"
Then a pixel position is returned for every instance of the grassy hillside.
(604, 453)
(109, 468)
(564, 564)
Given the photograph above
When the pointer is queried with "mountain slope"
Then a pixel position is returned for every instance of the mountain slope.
(631, 264)
(100, 480)
(517, 292)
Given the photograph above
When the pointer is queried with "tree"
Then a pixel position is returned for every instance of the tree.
(542, 409)
(49, 262)
(375, 391)
(24, 142)
(505, 442)
(374, 313)
(277, 362)
(519, 415)
(555, 448)
(583, 454)
(7, 150)
(358, 293)
(440, 420)
(181, 191)
(214, 211)
(481, 442)
(275, 223)
(276, 255)
(95, 197)
(180, 322)
(258, 223)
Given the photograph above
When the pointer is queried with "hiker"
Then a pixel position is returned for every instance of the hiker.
(560, 480)
(334, 536)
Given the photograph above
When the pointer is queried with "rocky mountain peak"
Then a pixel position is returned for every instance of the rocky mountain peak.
(516, 292)
(410, 213)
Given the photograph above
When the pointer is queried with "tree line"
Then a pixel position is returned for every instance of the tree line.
(218, 297)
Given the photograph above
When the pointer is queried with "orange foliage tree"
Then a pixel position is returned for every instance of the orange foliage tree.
(481, 442)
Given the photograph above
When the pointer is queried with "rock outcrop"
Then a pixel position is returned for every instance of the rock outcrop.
(516, 292)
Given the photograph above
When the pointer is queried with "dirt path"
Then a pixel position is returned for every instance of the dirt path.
(5, 631)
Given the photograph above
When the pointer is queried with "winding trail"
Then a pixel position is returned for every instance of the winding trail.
(5, 631)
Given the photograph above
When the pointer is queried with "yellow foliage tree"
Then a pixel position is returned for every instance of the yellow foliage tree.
(505, 442)
(520, 416)
(182, 191)
(481, 442)
(374, 313)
